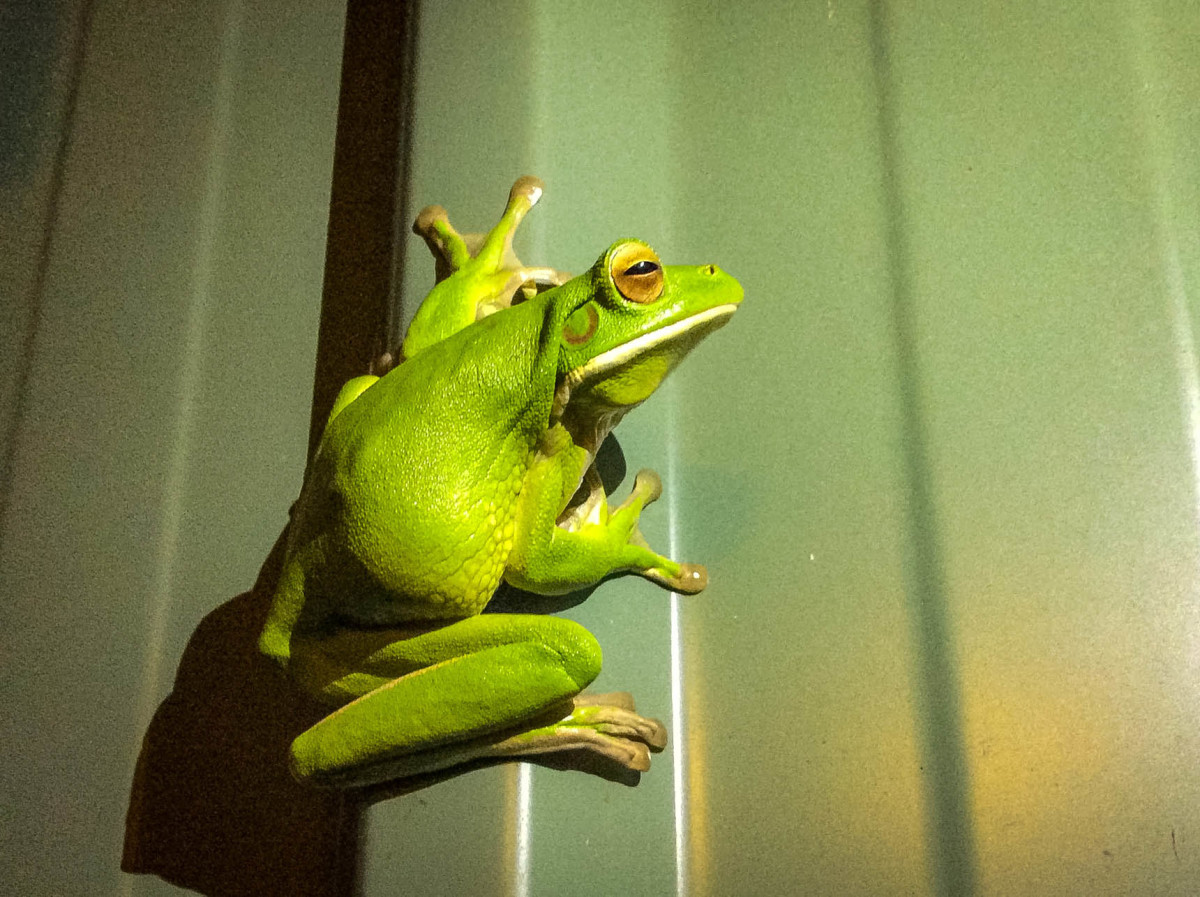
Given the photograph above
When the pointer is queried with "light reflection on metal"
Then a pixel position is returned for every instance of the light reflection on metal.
(1158, 163)
(191, 360)
(678, 749)
(524, 824)
(678, 717)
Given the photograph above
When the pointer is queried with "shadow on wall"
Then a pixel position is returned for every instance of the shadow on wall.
(213, 807)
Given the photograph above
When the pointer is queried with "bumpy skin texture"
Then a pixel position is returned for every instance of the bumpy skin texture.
(453, 472)
(420, 527)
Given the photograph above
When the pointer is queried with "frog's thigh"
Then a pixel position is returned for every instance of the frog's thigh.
(487, 673)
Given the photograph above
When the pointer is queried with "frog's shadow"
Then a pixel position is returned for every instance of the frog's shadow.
(213, 807)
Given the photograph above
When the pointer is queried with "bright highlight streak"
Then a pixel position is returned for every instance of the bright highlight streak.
(678, 741)
(1158, 163)
(678, 751)
(524, 828)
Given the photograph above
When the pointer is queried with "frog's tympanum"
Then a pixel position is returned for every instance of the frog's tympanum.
(469, 464)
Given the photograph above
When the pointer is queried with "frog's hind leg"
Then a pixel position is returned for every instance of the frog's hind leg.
(460, 692)
(604, 725)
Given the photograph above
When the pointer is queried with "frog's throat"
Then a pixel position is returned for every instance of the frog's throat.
(621, 354)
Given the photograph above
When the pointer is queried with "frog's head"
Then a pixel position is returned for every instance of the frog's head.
(626, 324)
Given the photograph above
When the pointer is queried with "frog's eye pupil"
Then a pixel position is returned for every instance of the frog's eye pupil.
(642, 268)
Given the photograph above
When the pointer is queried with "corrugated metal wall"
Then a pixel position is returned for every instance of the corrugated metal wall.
(942, 465)
(168, 275)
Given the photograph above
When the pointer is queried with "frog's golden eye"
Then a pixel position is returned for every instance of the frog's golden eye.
(637, 273)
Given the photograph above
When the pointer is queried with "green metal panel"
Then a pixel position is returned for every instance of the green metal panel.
(162, 296)
(941, 465)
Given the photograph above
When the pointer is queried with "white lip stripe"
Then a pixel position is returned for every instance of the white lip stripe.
(628, 350)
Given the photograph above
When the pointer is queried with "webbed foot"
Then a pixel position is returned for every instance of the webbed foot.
(686, 579)
(606, 724)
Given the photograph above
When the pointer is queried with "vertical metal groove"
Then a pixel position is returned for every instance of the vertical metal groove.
(190, 367)
(365, 236)
(679, 733)
(37, 290)
(950, 834)
(407, 114)
(1156, 164)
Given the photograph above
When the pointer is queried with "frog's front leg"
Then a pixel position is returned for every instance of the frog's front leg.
(497, 685)
(555, 553)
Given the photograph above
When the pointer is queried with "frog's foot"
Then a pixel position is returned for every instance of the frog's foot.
(686, 579)
(452, 251)
(622, 699)
(607, 725)
(382, 364)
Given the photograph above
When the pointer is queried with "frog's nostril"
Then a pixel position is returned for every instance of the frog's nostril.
(711, 270)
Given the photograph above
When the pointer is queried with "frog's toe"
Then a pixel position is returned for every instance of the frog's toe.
(638, 756)
(601, 724)
(527, 187)
(618, 722)
(648, 484)
(427, 218)
(692, 578)
(382, 364)
(633, 755)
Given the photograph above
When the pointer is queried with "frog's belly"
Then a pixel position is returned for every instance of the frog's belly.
(421, 579)
(433, 537)
(386, 609)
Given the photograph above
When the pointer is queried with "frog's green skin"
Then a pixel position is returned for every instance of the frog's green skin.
(484, 273)
(457, 471)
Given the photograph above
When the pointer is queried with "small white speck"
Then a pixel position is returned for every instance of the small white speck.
(534, 195)
(812, 557)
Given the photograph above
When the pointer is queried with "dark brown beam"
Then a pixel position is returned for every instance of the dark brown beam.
(367, 215)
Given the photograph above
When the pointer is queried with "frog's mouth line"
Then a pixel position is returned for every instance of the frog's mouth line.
(619, 355)
(615, 357)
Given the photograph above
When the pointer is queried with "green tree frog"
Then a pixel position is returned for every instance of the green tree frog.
(469, 464)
